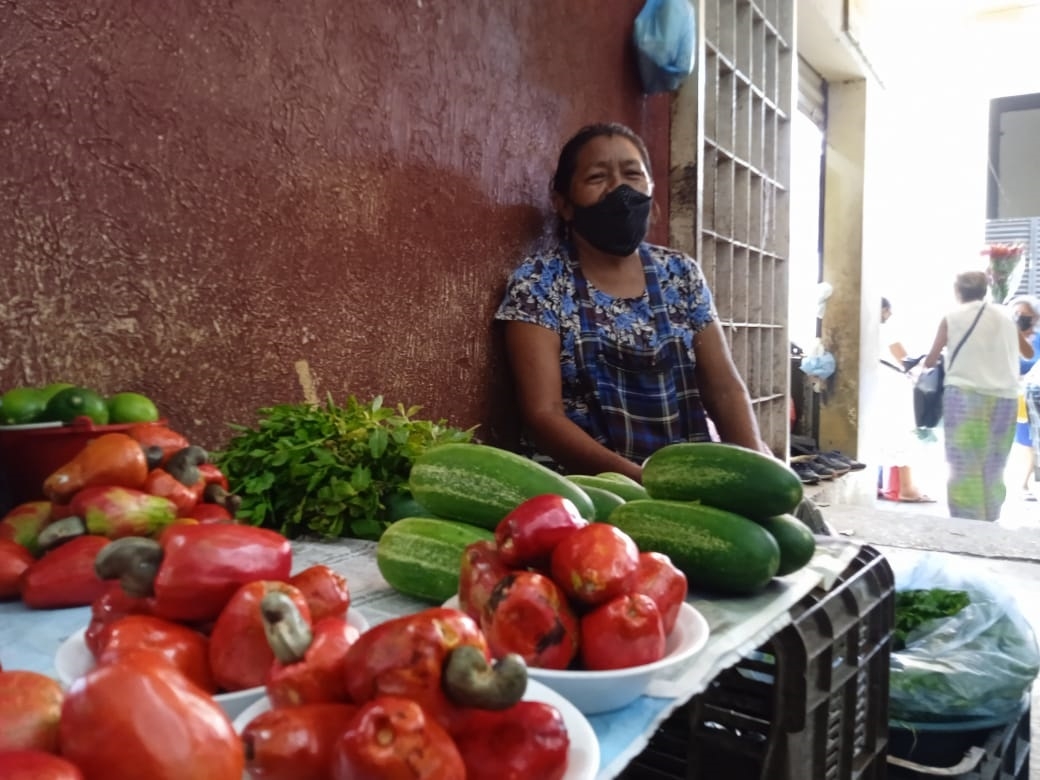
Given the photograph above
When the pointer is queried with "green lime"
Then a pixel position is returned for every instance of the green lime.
(21, 405)
(131, 408)
(72, 402)
(51, 390)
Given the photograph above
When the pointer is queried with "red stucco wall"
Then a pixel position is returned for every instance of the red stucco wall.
(195, 196)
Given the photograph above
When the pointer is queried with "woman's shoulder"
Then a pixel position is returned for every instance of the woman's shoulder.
(551, 261)
(965, 312)
(666, 255)
(998, 313)
(675, 266)
(538, 289)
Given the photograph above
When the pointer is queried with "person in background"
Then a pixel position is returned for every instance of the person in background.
(614, 343)
(1026, 312)
(980, 398)
(1031, 390)
(901, 443)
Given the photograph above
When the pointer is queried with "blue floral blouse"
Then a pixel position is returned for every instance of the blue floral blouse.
(541, 291)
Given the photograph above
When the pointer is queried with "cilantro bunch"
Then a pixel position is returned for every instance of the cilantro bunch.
(328, 470)
(916, 607)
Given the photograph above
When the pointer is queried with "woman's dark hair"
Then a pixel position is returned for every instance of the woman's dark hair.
(970, 286)
(561, 180)
(885, 304)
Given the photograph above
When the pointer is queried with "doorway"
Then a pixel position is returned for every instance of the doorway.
(807, 146)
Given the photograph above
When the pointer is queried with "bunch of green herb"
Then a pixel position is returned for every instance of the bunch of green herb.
(915, 607)
(969, 654)
(328, 470)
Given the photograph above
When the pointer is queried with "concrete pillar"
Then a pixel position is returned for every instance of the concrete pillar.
(845, 325)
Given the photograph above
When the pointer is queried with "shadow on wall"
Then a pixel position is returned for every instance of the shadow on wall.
(384, 279)
(400, 271)
(199, 200)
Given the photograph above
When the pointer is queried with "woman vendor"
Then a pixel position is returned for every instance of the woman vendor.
(615, 343)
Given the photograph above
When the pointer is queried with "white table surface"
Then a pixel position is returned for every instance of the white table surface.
(29, 639)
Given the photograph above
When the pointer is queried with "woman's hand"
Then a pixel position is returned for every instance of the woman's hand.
(898, 351)
(1025, 346)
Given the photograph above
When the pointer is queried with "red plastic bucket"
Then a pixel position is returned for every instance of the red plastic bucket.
(31, 453)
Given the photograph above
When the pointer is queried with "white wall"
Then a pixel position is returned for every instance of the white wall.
(935, 133)
(927, 69)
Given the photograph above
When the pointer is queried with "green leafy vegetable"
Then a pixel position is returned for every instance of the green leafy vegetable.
(915, 607)
(328, 470)
(968, 654)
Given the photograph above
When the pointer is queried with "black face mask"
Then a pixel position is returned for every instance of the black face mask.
(1024, 322)
(617, 223)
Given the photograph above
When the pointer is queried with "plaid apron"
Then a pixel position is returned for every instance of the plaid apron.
(643, 398)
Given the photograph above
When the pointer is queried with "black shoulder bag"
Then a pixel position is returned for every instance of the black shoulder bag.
(928, 389)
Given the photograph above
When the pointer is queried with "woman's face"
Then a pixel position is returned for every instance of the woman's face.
(603, 164)
(1023, 308)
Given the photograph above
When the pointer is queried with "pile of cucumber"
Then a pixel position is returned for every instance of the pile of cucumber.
(720, 512)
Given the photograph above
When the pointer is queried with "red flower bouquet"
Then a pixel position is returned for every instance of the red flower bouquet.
(1004, 270)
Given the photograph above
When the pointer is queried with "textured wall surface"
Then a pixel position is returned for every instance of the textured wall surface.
(196, 196)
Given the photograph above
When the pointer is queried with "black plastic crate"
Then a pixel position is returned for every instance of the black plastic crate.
(810, 704)
(1005, 752)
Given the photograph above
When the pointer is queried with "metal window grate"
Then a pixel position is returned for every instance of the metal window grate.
(742, 239)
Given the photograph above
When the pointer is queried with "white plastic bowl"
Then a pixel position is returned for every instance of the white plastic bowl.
(74, 660)
(582, 755)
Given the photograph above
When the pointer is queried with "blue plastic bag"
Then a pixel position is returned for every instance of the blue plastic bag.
(820, 365)
(666, 44)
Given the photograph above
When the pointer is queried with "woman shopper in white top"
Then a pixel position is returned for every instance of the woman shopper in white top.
(902, 445)
(980, 400)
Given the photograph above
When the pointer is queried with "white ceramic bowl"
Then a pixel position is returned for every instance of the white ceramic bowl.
(593, 692)
(582, 755)
(74, 659)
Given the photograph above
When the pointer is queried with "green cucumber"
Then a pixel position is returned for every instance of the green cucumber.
(481, 484)
(716, 550)
(400, 504)
(737, 479)
(795, 540)
(632, 492)
(421, 556)
(604, 501)
(617, 477)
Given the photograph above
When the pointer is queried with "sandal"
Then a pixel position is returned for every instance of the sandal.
(922, 499)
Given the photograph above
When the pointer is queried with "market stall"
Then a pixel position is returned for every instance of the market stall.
(773, 663)
(29, 639)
